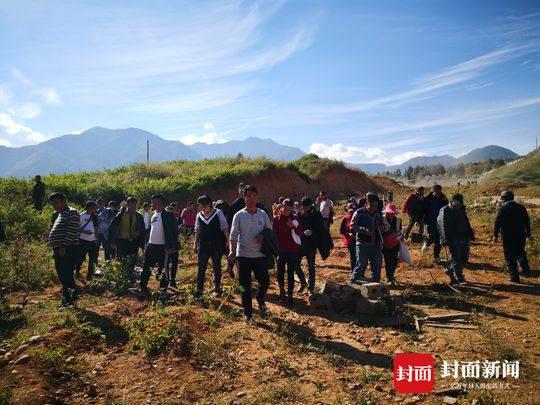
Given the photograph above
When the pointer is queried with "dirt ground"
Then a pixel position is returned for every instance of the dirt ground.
(294, 355)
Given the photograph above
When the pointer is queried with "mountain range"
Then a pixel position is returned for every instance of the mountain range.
(476, 155)
(101, 148)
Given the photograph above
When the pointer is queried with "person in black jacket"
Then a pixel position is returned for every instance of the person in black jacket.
(455, 231)
(127, 234)
(431, 206)
(38, 193)
(515, 225)
(237, 205)
(163, 240)
(312, 223)
(3, 237)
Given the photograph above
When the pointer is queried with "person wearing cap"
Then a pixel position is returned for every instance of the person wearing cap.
(456, 232)
(88, 239)
(391, 241)
(127, 234)
(289, 232)
(314, 229)
(412, 206)
(368, 225)
(64, 241)
(514, 224)
(348, 236)
(430, 211)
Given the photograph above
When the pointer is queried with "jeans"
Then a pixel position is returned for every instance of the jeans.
(259, 267)
(106, 246)
(153, 254)
(390, 261)
(65, 269)
(290, 260)
(89, 248)
(309, 252)
(205, 254)
(514, 253)
(413, 220)
(365, 254)
(352, 254)
(459, 252)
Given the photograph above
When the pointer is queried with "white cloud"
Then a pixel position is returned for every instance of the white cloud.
(429, 85)
(208, 125)
(50, 95)
(211, 137)
(355, 154)
(25, 111)
(17, 74)
(5, 96)
(17, 134)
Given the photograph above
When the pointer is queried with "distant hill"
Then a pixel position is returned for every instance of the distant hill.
(525, 170)
(477, 155)
(102, 148)
(250, 147)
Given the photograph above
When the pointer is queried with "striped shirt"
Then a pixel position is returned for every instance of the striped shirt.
(65, 229)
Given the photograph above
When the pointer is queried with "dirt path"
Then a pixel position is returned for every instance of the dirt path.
(292, 356)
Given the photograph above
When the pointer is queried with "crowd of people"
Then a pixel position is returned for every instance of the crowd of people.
(254, 239)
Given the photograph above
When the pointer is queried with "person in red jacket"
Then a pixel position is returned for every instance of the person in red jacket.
(413, 208)
(288, 230)
(349, 239)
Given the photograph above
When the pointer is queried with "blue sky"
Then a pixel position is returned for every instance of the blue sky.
(362, 81)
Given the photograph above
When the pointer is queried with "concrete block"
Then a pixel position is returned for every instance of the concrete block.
(373, 290)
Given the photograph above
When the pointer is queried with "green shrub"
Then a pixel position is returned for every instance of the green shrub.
(26, 265)
(115, 278)
(152, 331)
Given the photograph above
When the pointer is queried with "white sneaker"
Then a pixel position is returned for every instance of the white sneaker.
(424, 247)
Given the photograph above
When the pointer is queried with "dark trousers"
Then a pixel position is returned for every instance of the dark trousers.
(514, 253)
(364, 255)
(90, 249)
(459, 252)
(352, 255)
(205, 254)
(434, 238)
(289, 260)
(127, 250)
(259, 267)
(390, 261)
(65, 269)
(153, 254)
(38, 204)
(414, 220)
(106, 246)
(309, 252)
(172, 265)
(327, 222)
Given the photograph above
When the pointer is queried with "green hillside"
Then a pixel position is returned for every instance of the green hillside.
(526, 170)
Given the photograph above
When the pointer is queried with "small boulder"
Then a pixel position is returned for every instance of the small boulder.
(22, 360)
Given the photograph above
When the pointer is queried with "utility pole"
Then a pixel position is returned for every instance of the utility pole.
(147, 151)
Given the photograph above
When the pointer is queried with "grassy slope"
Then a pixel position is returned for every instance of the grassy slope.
(527, 171)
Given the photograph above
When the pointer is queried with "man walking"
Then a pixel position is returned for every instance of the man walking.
(38, 193)
(127, 234)
(430, 211)
(368, 225)
(288, 230)
(236, 206)
(326, 208)
(245, 245)
(456, 232)
(88, 239)
(64, 241)
(163, 240)
(515, 225)
(413, 208)
(211, 236)
(315, 230)
(105, 217)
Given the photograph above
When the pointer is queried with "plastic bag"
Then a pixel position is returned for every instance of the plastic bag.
(404, 254)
